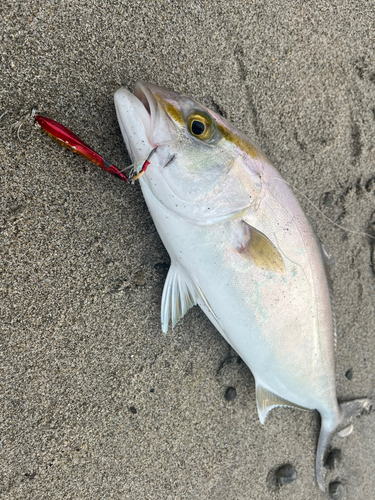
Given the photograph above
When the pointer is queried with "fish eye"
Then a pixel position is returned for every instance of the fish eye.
(197, 127)
(200, 126)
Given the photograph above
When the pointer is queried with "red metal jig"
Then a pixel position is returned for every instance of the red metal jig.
(66, 138)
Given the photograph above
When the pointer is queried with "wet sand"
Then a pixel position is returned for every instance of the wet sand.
(96, 402)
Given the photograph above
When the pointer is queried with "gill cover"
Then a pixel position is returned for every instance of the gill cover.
(198, 172)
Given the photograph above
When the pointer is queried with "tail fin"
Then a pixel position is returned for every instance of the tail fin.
(348, 412)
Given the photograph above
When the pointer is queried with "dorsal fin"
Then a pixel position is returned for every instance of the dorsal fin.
(260, 250)
(266, 400)
(179, 295)
(329, 264)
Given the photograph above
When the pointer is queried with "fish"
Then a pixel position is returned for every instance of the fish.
(242, 249)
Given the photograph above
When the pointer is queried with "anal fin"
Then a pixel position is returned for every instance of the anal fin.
(266, 400)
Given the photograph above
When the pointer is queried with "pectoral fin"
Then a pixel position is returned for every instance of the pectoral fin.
(260, 250)
(266, 400)
(179, 295)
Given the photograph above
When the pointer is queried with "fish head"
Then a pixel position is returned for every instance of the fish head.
(203, 168)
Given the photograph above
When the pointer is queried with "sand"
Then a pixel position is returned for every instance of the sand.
(96, 402)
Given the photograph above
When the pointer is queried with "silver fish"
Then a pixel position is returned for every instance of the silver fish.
(242, 249)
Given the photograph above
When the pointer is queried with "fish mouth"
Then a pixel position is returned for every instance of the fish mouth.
(145, 96)
(134, 114)
(143, 122)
